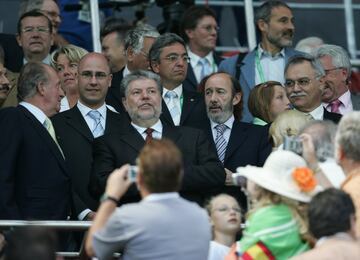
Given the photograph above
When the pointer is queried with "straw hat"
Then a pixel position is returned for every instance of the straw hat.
(276, 175)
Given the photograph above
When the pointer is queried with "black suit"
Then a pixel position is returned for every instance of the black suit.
(331, 116)
(34, 181)
(193, 113)
(248, 145)
(190, 83)
(75, 139)
(202, 169)
(114, 95)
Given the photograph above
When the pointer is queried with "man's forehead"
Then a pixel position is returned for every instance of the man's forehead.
(219, 81)
(176, 48)
(34, 21)
(97, 63)
(304, 68)
(143, 83)
(281, 11)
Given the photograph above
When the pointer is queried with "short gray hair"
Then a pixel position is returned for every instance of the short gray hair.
(264, 11)
(301, 58)
(135, 37)
(163, 41)
(308, 44)
(323, 134)
(348, 137)
(136, 75)
(31, 75)
(339, 56)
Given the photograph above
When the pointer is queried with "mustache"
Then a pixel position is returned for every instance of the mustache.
(298, 94)
(288, 32)
(4, 87)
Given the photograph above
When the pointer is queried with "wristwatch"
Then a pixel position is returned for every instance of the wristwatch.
(105, 197)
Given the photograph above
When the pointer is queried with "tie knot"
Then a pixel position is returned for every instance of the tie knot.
(336, 102)
(149, 131)
(203, 62)
(220, 128)
(95, 115)
(171, 94)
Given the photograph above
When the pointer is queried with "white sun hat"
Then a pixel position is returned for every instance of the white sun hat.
(276, 175)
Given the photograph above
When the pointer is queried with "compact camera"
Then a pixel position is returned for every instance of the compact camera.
(293, 144)
(132, 172)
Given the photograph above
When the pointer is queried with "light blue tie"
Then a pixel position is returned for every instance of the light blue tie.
(205, 68)
(98, 129)
(220, 141)
(172, 104)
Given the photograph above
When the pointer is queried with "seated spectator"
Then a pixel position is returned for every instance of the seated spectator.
(287, 123)
(331, 216)
(5, 86)
(162, 225)
(225, 219)
(308, 44)
(275, 227)
(266, 101)
(31, 243)
(65, 61)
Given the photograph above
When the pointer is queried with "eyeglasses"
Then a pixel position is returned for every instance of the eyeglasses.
(210, 28)
(39, 29)
(227, 209)
(172, 58)
(302, 82)
(89, 74)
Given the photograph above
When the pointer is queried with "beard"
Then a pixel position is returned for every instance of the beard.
(222, 116)
(279, 40)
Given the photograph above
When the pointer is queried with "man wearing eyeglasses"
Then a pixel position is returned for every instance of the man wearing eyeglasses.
(169, 58)
(78, 127)
(336, 96)
(138, 42)
(199, 29)
(275, 23)
(304, 85)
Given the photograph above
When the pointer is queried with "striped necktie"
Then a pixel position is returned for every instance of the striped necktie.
(220, 141)
(172, 104)
(97, 129)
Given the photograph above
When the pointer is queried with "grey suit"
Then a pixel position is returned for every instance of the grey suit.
(247, 75)
(165, 228)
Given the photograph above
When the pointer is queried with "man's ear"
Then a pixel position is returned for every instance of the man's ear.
(41, 88)
(155, 67)
(130, 53)
(110, 79)
(189, 33)
(237, 98)
(262, 25)
(18, 39)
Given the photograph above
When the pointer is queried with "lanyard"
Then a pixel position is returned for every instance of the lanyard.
(259, 67)
(181, 101)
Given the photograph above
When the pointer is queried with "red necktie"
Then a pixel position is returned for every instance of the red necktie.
(149, 136)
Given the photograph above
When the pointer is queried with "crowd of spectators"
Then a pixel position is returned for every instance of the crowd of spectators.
(142, 138)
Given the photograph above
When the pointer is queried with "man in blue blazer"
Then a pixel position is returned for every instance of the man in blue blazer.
(34, 181)
(274, 21)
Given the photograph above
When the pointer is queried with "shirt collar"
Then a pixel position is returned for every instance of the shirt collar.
(161, 196)
(194, 59)
(344, 98)
(264, 53)
(229, 123)
(157, 127)
(178, 90)
(84, 110)
(47, 60)
(35, 111)
(126, 71)
(318, 113)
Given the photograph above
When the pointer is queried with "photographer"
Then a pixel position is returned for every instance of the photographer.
(162, 225)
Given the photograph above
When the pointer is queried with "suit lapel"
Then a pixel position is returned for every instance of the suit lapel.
(77, 121)
(237, 137)
(189, 101)
(133, 138)
(248, 69)
(165, 116)
(45, 136)
(191, 77)
(171, 133)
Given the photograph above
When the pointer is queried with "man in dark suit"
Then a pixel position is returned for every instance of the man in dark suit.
(138, 42)
(77, 128)
(169, 58)
(199, 30)
(304, 85)
(237, 143)
(203, 172)
(34, 181)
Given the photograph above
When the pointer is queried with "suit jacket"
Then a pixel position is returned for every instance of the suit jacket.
(114, 95)
(248, 145)
(355, 100)
(75, 139)
(247, 75)
(34, 180)
(331, 116)
(193, 113)
(154, 230)
(190, 83)
(203, 171)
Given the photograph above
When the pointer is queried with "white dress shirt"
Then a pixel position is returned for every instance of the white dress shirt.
(229, 123)
(179, 91)
(84, 110)
(157, 127)
(194, 62)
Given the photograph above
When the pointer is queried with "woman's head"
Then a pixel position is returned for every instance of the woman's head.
(225, 214)
(65, 61)
(267, 100)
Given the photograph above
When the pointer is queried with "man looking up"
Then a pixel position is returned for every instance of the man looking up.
(275, 22)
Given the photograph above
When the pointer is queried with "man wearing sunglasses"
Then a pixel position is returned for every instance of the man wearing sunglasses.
(304, 85)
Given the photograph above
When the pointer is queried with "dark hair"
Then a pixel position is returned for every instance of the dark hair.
(161, 164)
(191, 18)
(264, 11)
(31, 75)
(260, 98)
(2, 55)
(236, 88)
(117, 25)
(161, 42)
(330, 212)
(33, 13)
(31, 243)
